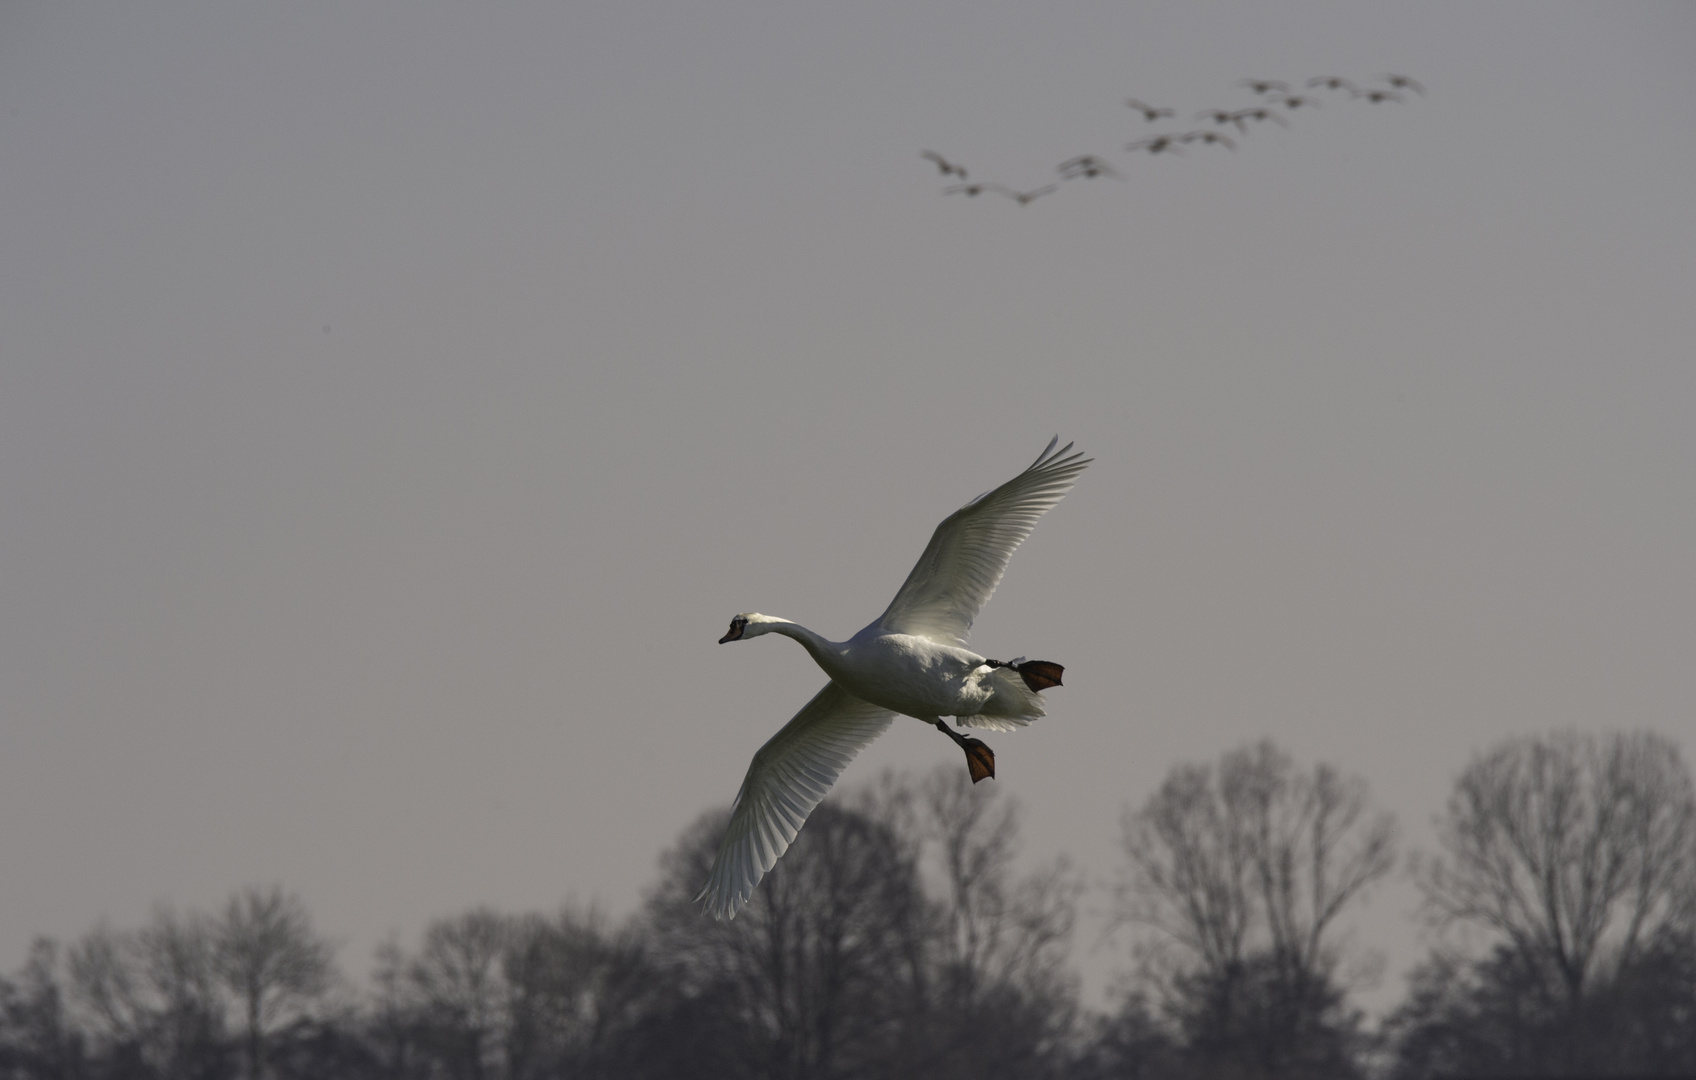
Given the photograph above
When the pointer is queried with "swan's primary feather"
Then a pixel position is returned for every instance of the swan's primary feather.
(789, 776)
(968, 553)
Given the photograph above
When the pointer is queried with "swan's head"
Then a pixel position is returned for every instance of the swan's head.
(748, 624)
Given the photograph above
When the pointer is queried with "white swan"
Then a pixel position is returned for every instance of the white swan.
(913, 660)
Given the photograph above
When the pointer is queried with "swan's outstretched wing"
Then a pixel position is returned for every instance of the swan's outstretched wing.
(969, 551)
(789, 776)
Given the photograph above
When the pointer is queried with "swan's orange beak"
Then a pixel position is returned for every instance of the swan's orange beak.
(734, 633)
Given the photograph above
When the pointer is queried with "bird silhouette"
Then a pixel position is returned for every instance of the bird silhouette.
(1265, 86)
(1376, 96)
(1404, 82)
(1208, 137)
(947, 167)
(1221, 117)
(1025, 198)
(1293, 102)
(1331, 82)
(1258, 115)
(1158, 144)
(1087, 166)
(971, 191)
(1150, 113)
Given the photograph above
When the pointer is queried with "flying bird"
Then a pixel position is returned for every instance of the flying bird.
(948, 167)
(1331, 82)
(912, 661)
(972, 191)
(1376, 96)
(1297, 101)
(1222, 117)
(1150, 113)
(1208, 137)
(1157, 144)
(1087, 166)
(1404, 82)
(1258, 115)
(1025, 198)
(1265, 86)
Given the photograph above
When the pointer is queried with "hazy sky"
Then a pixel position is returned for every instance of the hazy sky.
(396, 401)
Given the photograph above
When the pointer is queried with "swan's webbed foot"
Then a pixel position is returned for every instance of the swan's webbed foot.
(1038, 674)
(980, 759)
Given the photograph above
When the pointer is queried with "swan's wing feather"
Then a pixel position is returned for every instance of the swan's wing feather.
(968, 553)
(789, 776)
(992, 723)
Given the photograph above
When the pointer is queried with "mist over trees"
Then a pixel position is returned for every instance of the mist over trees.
(898, 938)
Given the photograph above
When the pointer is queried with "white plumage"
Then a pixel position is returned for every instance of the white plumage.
(913, 661)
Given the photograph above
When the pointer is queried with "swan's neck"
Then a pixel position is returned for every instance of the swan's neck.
(823, 651)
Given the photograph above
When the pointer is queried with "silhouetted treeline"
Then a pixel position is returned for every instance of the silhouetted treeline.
(897, 939)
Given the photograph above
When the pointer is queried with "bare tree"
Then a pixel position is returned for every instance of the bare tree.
(38, 1037)
(1246, 868)
(822, 974)
(512, 996)
(1000, 1000)
(1578, 850)
(1315, 849)
(1500, 1015)
(150, 996)
(462, 994)
(579, 989)
(996, 929)
(1259, 845)
(107, 985)
(1191, 868)
(178, 956)
(393, 1024)
(272, 963)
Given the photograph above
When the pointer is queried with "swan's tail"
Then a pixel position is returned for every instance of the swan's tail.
(1013, 704)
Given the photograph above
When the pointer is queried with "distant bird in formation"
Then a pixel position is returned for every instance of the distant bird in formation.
(1259, 116)
(1088, 167)
(1277, 100)
(1150, 113)
(1208, 137)
(912, 660)
(948, 167)
(1157, 144)
(1023, 198)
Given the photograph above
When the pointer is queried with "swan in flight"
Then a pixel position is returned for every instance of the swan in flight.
(913, 661)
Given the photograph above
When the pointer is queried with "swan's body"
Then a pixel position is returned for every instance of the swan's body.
(915, 676)
(912, 661)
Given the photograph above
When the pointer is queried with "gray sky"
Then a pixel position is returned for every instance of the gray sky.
(397, 400)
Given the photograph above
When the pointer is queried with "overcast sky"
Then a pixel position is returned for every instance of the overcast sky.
(397, 400)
